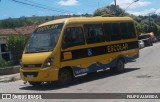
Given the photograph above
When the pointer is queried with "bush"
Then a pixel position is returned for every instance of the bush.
(4, 63)
(15, 44)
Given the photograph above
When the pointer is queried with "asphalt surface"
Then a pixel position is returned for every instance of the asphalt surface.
(141, 76)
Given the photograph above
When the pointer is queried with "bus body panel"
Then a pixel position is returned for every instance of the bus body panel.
(35, 58)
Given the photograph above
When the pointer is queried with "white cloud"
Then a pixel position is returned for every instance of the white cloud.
(79, 13)
(145, 12)
(158, 11)
(68, 2)
(125, 3)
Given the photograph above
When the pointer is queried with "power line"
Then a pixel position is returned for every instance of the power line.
(128, 7)
(20, 2)
(97, 4)
(42, 7)
(78, 9)
(48, 6)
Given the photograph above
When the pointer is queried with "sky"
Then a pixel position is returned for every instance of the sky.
(20, 8)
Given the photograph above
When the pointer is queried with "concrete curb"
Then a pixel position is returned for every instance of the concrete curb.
(9, 70)
(10, 78)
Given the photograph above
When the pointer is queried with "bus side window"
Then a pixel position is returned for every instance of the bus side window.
(131, 30)
(107, 31)
(116, 35)
(124, 30)
(127, 30)
(73, 37)
(94, 33)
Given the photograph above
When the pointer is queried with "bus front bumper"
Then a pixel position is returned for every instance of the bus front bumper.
(39, 74)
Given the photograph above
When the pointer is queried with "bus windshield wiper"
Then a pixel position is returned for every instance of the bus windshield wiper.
(42, 50)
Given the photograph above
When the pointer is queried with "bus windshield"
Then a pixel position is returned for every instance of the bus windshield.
(43, 39)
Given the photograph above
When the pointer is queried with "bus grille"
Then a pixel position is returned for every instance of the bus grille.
(30, 73)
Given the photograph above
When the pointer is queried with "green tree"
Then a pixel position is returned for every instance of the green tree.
(15, 44)
(109, 10)
(15, 22)
(102, 11)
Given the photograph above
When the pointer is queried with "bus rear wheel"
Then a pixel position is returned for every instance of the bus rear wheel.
(65, 77)
(35, 83)
(120, 64)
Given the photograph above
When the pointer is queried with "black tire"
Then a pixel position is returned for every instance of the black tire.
(150, 43)
(120, 64)
(65, 77)
(35, 83)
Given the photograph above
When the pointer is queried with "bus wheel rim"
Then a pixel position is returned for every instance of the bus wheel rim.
(120, 65)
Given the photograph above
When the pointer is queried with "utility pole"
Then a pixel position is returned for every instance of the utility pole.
(115, 7)
(115, 3)
(149, 17)
(149, 22)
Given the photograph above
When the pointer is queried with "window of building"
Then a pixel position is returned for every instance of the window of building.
(73, 37)
(4, 53)
(94, 33)
(6, 56)
(3, 48)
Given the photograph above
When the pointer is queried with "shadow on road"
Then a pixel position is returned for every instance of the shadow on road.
(78, 80)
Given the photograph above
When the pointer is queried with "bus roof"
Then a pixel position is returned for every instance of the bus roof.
(87, 19)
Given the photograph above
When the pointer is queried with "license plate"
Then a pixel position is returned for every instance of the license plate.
(31, 66)
(30, 76)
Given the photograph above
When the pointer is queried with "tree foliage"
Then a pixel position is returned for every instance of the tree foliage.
(102, 11)
(12, 23)
(15, 44)
(4, 63)
(108, 11)
(26, 21)
(144, 24)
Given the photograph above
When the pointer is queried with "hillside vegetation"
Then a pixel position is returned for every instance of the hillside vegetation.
(144, 24)
(27, 21)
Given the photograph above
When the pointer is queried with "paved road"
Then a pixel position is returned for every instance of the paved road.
(142, 76)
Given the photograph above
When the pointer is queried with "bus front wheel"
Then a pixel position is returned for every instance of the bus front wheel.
(120, 64)
(64, 78)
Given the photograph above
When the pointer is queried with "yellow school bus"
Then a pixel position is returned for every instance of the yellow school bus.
(59, 50)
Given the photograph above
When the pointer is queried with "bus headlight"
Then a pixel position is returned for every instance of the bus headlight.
(48, 62)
